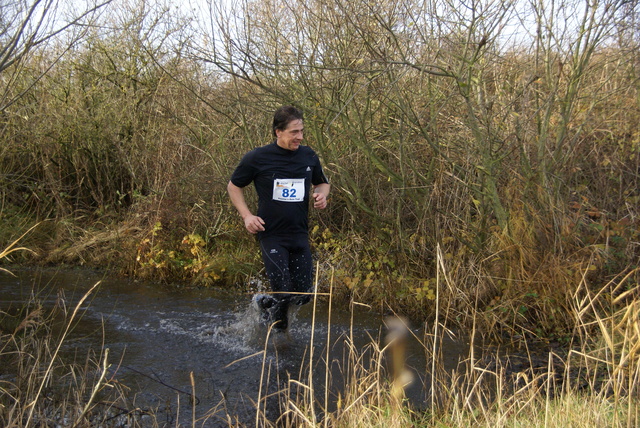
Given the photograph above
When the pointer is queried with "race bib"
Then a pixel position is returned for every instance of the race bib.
(288, 189)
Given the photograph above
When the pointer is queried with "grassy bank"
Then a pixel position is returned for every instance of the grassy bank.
(517, 290)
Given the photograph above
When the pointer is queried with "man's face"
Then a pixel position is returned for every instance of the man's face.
(291, 137)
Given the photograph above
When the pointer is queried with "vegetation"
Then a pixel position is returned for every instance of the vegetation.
(500, 135)
(485, 162)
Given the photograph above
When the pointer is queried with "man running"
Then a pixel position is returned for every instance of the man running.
(286, 176)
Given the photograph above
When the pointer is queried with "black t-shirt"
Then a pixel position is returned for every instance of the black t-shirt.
(283, 180)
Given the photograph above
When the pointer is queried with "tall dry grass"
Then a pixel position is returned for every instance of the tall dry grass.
(39, 386)
(591, 382)
(594, 384)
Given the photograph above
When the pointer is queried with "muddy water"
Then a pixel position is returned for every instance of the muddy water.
(158, 335)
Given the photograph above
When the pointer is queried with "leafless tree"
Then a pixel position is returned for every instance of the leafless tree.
(27, 26)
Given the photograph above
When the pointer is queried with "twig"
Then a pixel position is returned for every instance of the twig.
(47, 373)
(96, 388)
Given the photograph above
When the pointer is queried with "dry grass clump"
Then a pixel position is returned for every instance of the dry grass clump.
(39, 387)
(593, 383)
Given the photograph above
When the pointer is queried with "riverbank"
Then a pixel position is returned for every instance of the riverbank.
(505, 295)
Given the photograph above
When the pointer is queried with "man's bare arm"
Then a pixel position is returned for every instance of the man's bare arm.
(252, 223)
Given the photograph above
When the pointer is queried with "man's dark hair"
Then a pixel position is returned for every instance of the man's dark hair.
(283, 116)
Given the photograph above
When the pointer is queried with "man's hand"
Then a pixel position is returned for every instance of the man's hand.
(320, 193)
(319, 201)
(254, 224)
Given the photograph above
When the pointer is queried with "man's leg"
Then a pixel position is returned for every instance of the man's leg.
(301, 271)
(276, 262)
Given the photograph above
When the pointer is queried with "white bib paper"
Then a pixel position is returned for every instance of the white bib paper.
(288, 189)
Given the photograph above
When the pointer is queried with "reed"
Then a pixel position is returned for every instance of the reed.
(40, 387)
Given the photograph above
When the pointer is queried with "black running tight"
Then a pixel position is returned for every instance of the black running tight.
(288, 264)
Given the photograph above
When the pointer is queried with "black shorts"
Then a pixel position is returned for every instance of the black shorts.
(288, 263)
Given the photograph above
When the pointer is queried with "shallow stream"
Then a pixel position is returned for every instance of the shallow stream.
(157, 335)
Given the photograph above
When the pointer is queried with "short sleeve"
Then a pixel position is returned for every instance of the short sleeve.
(318, 174)
(244, 173)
